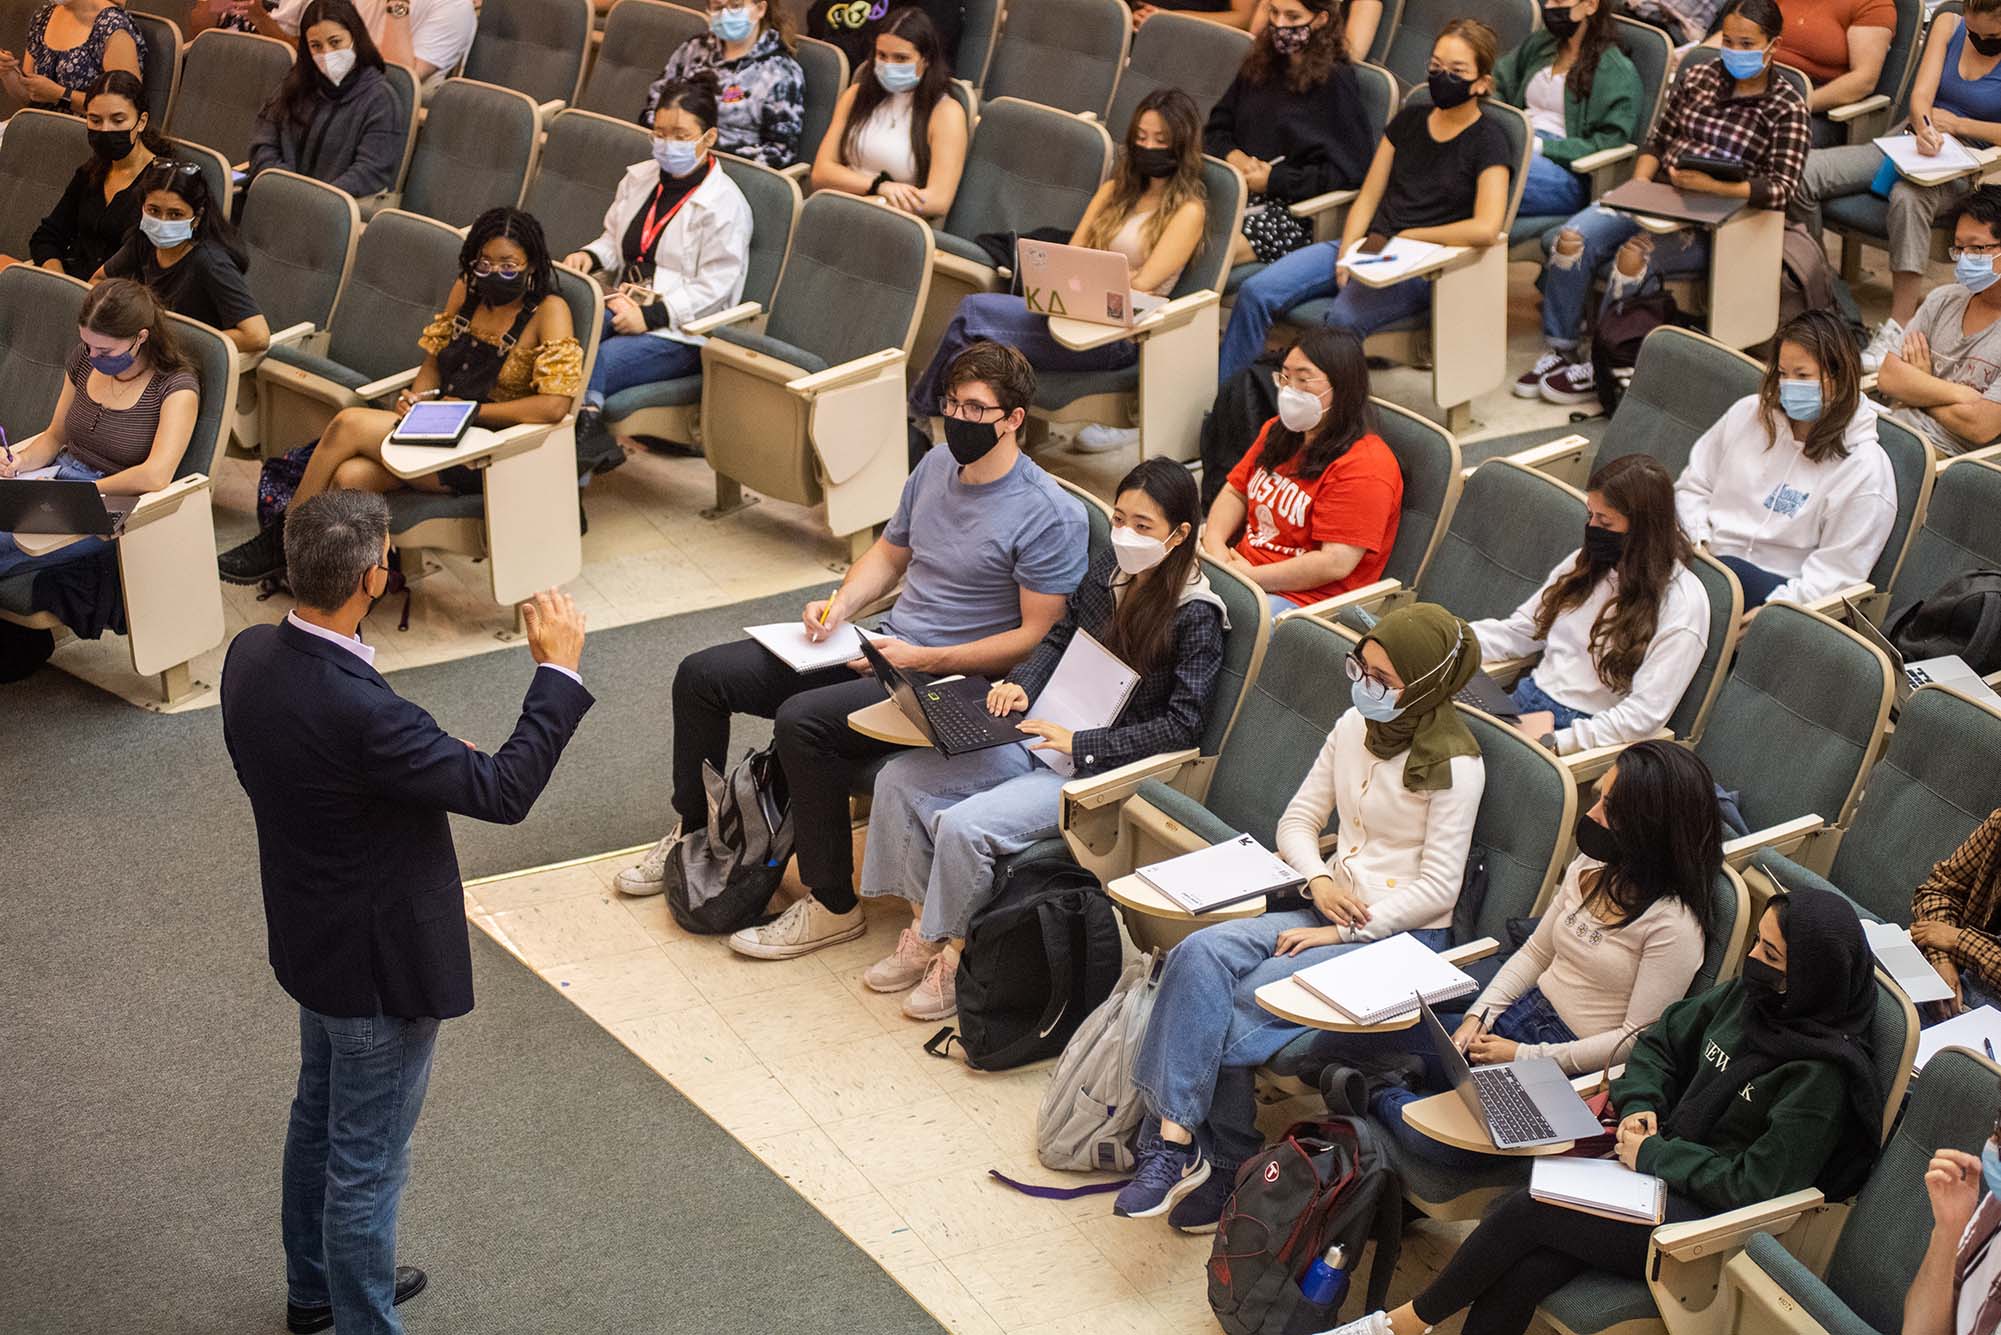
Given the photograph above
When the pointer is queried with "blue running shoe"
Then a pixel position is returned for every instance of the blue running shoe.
(1163, 1175)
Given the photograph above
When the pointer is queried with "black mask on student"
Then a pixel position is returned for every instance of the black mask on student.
(969, 442)
(1560, 21)
(1986, 46)
(1603, 547)
(111, 145)
(1596, 841)
(1764, 983)
(1448, 90)
(1154, 164)
(499, 290)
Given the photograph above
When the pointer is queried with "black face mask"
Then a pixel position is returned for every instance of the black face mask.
(1154, 163)
(1560, 21)
(1597, 841)
(1765, 984)
(1986, 46)
(969, 442)
(111, 145)
(1603, 547)
(1448, 90)
(500, 290)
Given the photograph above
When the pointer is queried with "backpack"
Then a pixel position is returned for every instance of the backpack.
(1090, 1112)
(1041, 955)
(1621, 328)
(720, 878)
(1231, 426)
(1962, 616)
(1323, 1183)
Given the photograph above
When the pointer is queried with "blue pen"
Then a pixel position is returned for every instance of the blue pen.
(1988, 1043)
(1372, 259)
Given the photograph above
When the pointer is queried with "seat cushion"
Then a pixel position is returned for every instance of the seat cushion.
(1596, 1301)
(1241, 274)
(16, 592)
(789, 353)
(681, 392)
(344, 376)
(1535, 227)
(1054, 389)
(407, 509)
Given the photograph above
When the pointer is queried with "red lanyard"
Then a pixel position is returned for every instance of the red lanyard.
(649, 231)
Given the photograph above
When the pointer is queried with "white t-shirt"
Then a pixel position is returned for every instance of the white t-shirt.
(1545, 102)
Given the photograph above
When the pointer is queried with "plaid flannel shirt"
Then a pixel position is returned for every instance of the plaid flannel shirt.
(1165, 710)
(1769, 133)
(1964, 891)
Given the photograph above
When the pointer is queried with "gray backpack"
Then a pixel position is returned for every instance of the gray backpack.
(1091, 1110)
(720, 878)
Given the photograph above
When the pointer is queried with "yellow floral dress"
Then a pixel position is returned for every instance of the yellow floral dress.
(555, 367)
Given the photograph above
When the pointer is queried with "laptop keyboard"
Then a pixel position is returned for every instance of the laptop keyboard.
(957, 724)
(1510, 1111)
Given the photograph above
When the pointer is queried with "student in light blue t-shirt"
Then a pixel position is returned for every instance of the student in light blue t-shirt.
(989, 548)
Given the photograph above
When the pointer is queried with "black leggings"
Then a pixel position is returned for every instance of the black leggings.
(1523, 1251)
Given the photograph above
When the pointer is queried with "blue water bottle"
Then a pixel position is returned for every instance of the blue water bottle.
(1325, 1283)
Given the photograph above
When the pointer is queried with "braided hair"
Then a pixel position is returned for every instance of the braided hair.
(525, 231)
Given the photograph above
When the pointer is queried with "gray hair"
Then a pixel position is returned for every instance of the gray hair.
(331, 541)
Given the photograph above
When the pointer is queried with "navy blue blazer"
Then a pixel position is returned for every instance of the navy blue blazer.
(350, 785)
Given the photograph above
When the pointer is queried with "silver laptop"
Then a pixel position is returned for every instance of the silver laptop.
(1520, 1103)
(1951, 670)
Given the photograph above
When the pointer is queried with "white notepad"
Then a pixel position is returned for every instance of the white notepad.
(1088, 690)
(1905, 963)
(1376, 983)
(1973, 1031)
(1221, 874)
(1393, 261)
(1951, 158)
(1599, 1186)
(788, 640)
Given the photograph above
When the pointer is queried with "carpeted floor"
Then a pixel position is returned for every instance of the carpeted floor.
(558, 1183)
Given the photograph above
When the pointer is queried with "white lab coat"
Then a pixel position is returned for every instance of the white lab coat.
(702, 255)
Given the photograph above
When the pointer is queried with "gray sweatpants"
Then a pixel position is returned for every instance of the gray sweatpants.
(1833, 172)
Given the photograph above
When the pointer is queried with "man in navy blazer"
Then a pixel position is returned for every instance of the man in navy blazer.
(351, 785)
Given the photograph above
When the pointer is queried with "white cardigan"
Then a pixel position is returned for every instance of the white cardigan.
(702, 255)
(1567, 674)
(1822, 526)
(1404, 851)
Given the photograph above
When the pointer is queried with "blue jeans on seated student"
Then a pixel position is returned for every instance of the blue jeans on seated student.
(1001, 318)
(626, 361)
(1756, 581)
(1565, 281)
(14, 561)
(1301, 276)
(1552, 188)
(1531, 698)
(1208, 1034)
(938, 824)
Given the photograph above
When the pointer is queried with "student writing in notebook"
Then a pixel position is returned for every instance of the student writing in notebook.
(939, 822)
(1755, 1088)
(1405, 776)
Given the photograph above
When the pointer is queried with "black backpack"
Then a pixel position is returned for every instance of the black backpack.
(1041, 955)
(1620, 330)
(720, 878)
(1962, 617)
(1231, 426)
(1322, 1184)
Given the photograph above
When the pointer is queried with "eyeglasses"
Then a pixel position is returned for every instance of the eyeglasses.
(482, 269)
(715, 8)
(1374, 685)
(174, 167)
(968, 411)
(1955, 253)
(1284, 381)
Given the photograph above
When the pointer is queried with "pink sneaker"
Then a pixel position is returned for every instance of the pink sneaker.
(900, 970)
(937, 996)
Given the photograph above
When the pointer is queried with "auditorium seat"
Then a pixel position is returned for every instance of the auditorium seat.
(537, 47)
(226, 79)
(1065, 54)
(639, 35)
(301, 238)
(583, 159)
(1182, 51)
(476, 151)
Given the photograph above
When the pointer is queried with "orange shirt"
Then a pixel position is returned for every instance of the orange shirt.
(1356, 502)
(1815, 40)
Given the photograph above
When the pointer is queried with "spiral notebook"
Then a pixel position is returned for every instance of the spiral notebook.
(1604, 1187)
(1376, 983)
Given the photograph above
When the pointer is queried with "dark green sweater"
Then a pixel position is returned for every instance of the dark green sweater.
(1777, 1136)
(1609, 119)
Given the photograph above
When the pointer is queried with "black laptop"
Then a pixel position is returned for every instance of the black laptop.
(951, 712)
(1485, 694)
(60, 505)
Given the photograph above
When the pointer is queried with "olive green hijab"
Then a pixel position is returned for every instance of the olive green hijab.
(1436, 654)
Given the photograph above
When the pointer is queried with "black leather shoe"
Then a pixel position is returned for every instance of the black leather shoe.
(410, 1282)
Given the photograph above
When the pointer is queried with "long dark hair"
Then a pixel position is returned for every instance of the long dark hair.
(304, 86)
(914, 26)
(1638, 487)
(1184, 132)
(1142, 629)
(1826, 339)
(1662, 813)
(1765, 13)
(186, 179)
(1326, 48)
(122, 308)
(125, 85)
(523, 230)
(1599, 37)
(1338, 354)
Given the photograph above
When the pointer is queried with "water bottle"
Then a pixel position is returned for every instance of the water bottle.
(1325, 1283)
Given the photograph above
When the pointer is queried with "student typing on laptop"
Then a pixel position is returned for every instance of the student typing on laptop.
(988, 547)
(127, 408)
(1757, 1087)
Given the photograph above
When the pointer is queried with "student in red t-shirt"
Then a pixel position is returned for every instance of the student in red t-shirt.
(1312, 508)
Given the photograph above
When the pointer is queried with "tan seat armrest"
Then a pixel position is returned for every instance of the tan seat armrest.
(1318, 204)
(1593, 761)
(1830, 606)
(1790, 833)
(847, 373)
(743, 310)
(389, 384)
(155, 505)
(1588, 1082)
(1728, 1231)
(1115, 785)
(1472, 950)
(1604, 157)
(980, 277)
(1365, 596)
(247, 362)
(1848, 111)
(1507, 671)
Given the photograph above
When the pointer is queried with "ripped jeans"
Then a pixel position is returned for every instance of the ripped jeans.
(1565, 282)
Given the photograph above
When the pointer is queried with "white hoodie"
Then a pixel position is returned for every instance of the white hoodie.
(1821, 525)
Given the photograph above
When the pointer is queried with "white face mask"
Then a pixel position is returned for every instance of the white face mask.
(1299, 410)
(1135, 552)
(336, 65)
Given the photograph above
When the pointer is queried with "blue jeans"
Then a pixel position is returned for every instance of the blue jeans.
(347, 1155)
(1531, 698)
(1552, 188)
(13, 560)
(1301, 276)
(1565, 282)
(1279, 604)
(938, 823)
(629, 360)
(1207, 1033)
(1756, 581)
(1001, 318)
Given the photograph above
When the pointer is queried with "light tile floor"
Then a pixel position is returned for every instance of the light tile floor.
(829, 1086)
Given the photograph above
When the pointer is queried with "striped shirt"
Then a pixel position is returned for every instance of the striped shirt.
(1768, 133)
(114, 439)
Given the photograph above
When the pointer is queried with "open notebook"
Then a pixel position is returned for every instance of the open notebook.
(1905, 963)
(1599, 1186)
(788, 640)
(1382, 980)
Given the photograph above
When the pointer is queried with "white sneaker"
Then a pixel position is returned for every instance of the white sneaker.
(1375, 1323)
(649, 876)
(937, 996)
(1100, 439)
(800, 930)
(1888, 338)
(899, 970)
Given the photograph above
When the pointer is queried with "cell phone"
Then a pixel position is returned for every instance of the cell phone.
(1373, 243)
